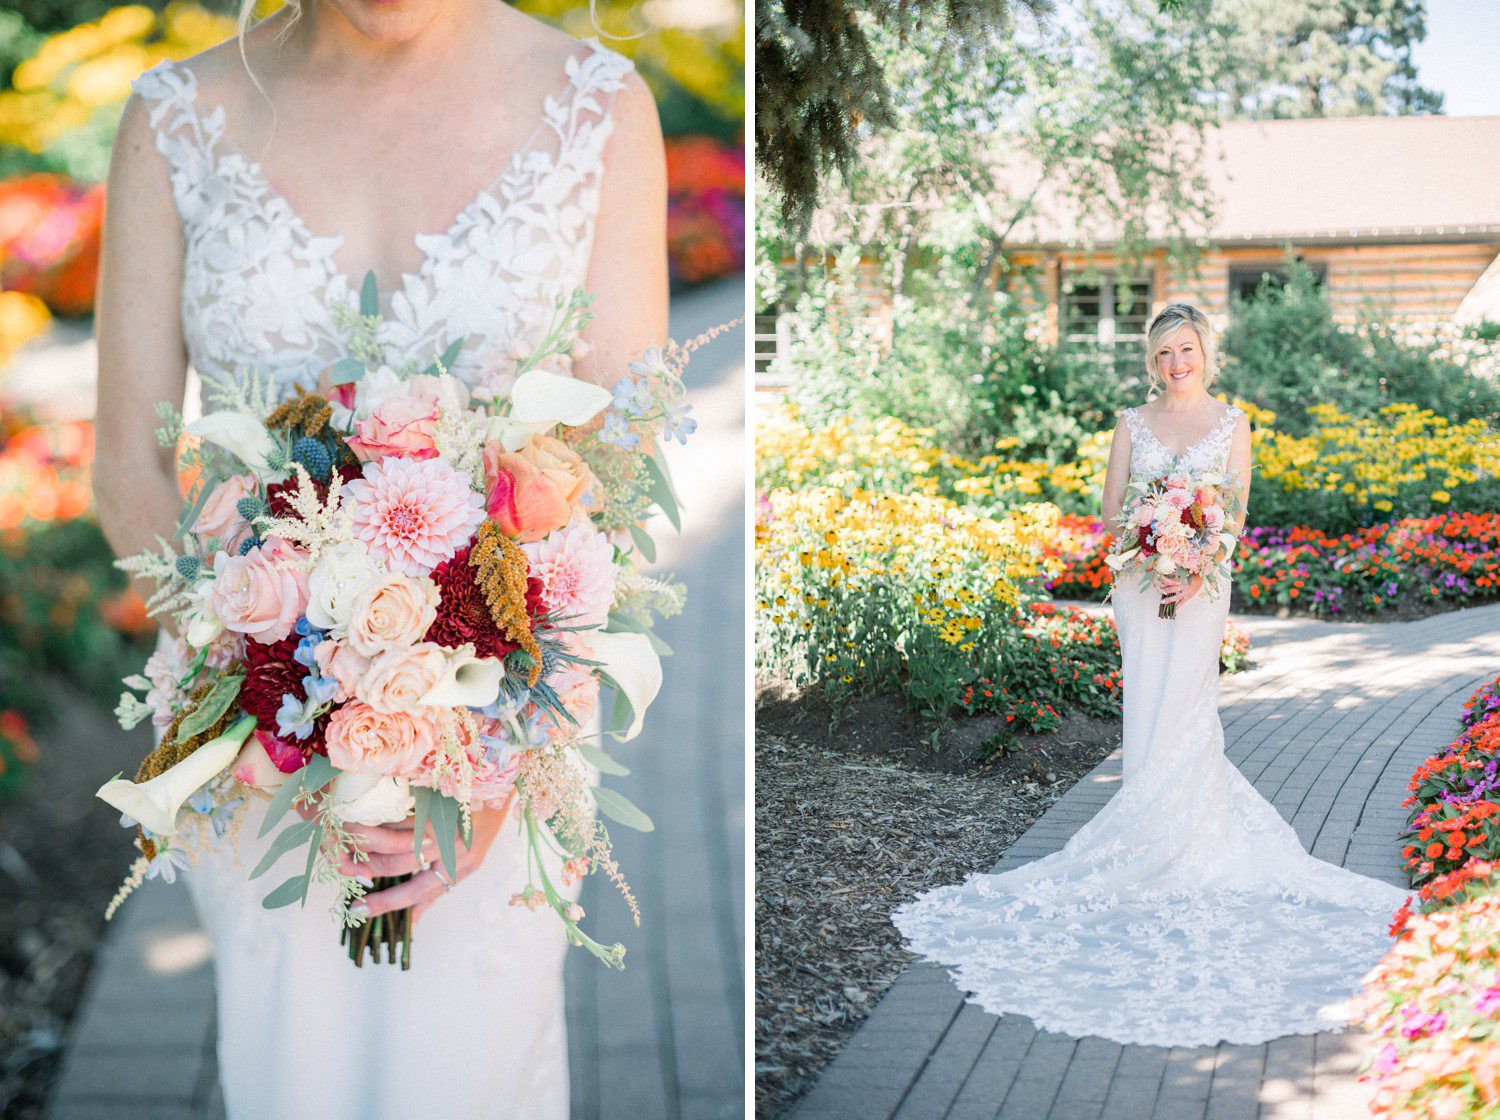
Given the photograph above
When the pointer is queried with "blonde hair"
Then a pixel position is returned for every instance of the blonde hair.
(1166, 323)
(242, 25)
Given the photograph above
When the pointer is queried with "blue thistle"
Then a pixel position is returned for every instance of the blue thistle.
(248, 543)
(188, 566)
(314, 456)
(249, 507)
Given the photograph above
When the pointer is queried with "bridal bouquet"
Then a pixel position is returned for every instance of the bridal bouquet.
(1176, 524)
(401, 597)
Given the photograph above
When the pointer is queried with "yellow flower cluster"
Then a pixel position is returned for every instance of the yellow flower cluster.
(886, 454)
(914, 559)
(89, 68)
(22, 317)
(1400, 455)
(705, 56)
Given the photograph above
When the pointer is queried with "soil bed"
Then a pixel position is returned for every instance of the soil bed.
(850, 823)
(62, 856)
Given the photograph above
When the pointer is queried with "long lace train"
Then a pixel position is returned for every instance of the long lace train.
(1186, 912)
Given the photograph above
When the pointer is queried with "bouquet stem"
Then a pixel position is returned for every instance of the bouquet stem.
(393, 931)
(1167, 610)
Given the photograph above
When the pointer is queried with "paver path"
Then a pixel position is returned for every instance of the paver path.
(665, 1038)
(1329, 727)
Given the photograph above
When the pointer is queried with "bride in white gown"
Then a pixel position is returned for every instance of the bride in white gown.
(539, 161)
(1186, 912)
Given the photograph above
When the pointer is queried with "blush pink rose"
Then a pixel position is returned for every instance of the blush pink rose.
(393, 612)
(219, 517)
(396, 681)
(402, 427)
(535, 490)
(337, 661)
(262, 593)
(365, 741)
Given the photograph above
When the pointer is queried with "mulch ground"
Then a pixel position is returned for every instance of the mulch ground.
(853, 820)
(62, 855)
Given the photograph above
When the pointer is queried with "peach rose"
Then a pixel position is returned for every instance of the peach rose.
(362, 740)
(336, 660)
(394, 611)
(402, 427)
(396, 681)
(219, 517)
(534, 491)
(262, 593)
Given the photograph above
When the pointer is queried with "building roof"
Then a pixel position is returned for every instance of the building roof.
(1337, 179)
(1327, 180)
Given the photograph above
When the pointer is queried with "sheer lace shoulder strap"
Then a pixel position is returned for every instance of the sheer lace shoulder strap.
(185, 139)
(581, 115)
(1133, 422)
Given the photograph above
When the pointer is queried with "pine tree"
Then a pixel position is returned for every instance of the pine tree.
(817, 79)
(1327, 58)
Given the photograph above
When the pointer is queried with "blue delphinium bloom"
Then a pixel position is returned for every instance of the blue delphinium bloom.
(679, 425)
(320, 690)
(165, 864)
(617, 432)
(292, 719)
(633, 396)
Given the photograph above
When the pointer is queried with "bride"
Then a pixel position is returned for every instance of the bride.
(483, 166)
(1186, 912)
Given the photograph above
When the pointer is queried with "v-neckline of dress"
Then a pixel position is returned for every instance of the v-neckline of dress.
(1188, 450)
(327, 245)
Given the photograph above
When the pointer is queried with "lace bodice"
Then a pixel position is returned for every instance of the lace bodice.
(258, 285)
(1150, 458)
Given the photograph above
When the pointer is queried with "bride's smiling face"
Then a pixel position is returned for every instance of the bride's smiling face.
(1179, 361)
(387, 21)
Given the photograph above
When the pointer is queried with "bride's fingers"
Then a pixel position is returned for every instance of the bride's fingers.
(420, 888)
(380, 839)
(382, 865)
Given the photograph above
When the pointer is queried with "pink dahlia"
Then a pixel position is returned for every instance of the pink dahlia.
(575, 567)
(414, 514)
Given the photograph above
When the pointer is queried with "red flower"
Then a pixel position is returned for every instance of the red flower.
(277, 503)
(270, 674)
(463, 615)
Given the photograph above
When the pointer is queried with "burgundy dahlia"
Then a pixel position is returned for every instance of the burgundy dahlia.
(270, 674)
(277, 503)
(463, 615)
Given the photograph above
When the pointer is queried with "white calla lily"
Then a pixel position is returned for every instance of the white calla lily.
(540, 400)
(370, 799)
(1229, 541)
(469, 682)
(239, 433)
(154, 804)
(1116, 561)
(628, 660)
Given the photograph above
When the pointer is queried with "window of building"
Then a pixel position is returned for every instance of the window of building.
(1106, 314)
(1249, 281)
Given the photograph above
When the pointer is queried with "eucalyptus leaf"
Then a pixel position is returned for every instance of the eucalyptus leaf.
(421, 808)
(445, 359)
(282, 801)
(602, 760)
(312, 858)
(224, 693)
(318, 773)
(289, 892)
(659, 486)
(621, 714)
(289, 838)
(195, 507)
(346, 370)
(444, 814)
(369, 295)
(618, 808)
(661, 647)
(643, 543)
(618, 622)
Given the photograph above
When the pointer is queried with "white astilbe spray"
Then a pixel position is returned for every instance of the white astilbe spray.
(461, 432)
(638, 595)
(255, 391)
(315, 524)
(161, 568)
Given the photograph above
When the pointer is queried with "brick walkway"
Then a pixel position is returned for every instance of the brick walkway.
(664, 1039)
(1329, 727)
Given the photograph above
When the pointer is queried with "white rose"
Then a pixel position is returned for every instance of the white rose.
(370, 799)
(202, 622)
(341, 574)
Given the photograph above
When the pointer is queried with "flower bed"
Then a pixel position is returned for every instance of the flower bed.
(1452, 559)
(706, 208)
(63, 605)
(1433, 1001)
(49, 240)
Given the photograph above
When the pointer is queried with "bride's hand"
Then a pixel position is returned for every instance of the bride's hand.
(1180, 590)
(391, 853)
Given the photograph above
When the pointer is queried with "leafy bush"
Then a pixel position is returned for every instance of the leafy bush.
(1285, 351)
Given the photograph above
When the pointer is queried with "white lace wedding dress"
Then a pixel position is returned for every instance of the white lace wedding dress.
(476, 1028)
(1186, 912)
